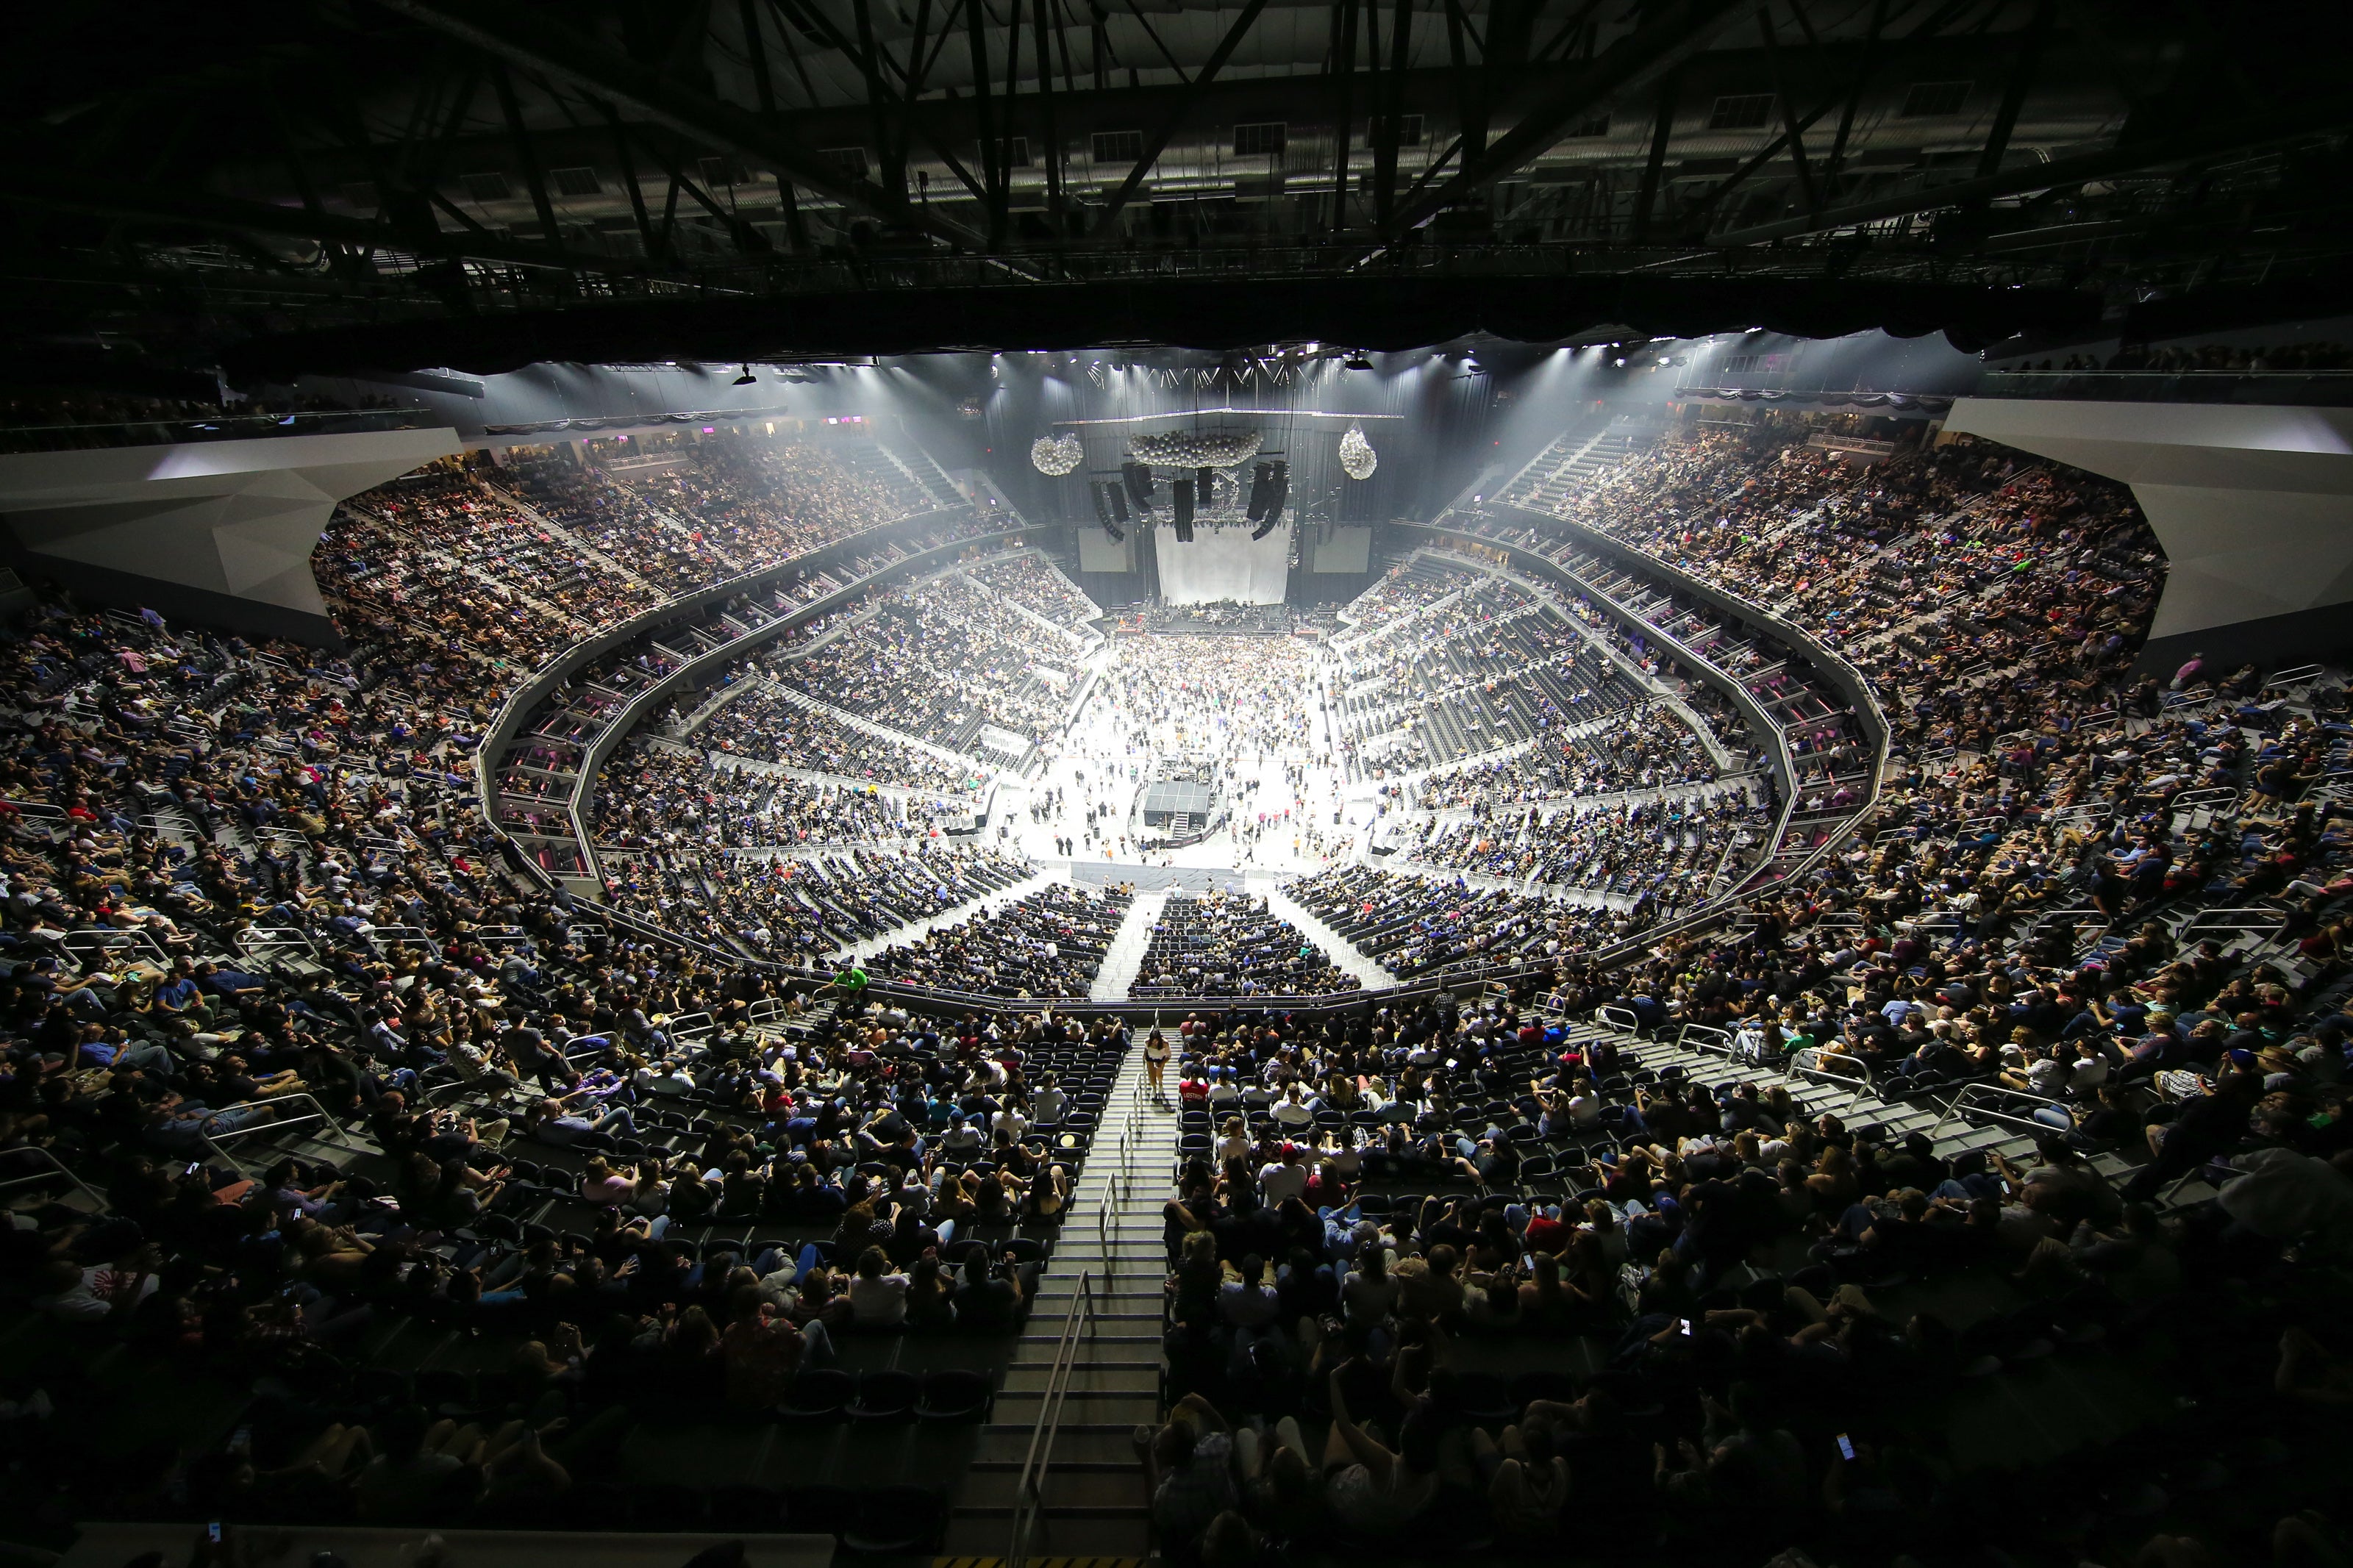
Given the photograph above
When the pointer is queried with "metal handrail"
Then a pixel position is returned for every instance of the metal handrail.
(1972, 1097)
(1028, 1488)
(61, 1169)
(318, 1114)
(1809, 1062)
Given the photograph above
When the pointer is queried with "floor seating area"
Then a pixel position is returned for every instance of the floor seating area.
(1230, 944)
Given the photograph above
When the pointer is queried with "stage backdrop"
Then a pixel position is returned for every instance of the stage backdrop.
(1223, 564)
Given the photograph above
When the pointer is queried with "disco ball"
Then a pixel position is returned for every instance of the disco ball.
(1357, 459)
(1197, 449)
(1056, 455)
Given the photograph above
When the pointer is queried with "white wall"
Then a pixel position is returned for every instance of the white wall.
(1099, 551)
(1351, 551)
(2253, 505)
(1223, 564)
(234, 518)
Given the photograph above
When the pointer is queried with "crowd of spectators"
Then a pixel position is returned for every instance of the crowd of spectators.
(763, 727)
(658, 796)
(938, 661)
(1496, 688)
(1037, 585)
(1238, 702)
(1388, 1232)
(670, 552)
(242, 891)
(1662, 857)
(1044, 946)
(1651, 748)
(1231, 944)
(442, 508)
(1418, 926)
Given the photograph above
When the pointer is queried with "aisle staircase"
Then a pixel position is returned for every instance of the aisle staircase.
(1123, 955)
(1058, 1460)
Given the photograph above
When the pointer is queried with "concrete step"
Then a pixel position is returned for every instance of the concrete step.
(1120, 1334)
(1087, 1377)
(1097, 1407)
(1070, 1491)
(1092, 1446)
(1119, 1541)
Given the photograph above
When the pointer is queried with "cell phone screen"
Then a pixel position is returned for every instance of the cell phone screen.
(1846, 1449)
(1685, 1325)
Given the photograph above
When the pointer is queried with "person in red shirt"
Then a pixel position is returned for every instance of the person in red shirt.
(1546, 1232)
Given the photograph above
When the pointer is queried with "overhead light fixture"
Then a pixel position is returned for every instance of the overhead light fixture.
(1197, 449)
(1055, 455)
(1357, 361)
(1357, 459)
(747, 378)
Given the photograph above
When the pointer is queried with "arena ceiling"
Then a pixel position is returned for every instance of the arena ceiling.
(339, 184)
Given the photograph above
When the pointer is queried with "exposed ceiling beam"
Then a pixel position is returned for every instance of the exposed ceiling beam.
(1676, 31)
(2239, 136)
(1157, 143)
(522, 34)
(231, 215)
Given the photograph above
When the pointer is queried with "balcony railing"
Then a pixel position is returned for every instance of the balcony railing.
(211, 427)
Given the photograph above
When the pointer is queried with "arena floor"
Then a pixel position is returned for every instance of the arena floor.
(1134, 719)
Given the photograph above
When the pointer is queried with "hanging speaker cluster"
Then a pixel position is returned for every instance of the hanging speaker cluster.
(1269, 488)
(1138, 479)
(1180, 508)
(1111, 509)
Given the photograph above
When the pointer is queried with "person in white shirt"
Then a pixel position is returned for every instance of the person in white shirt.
(962, 1137)
(2038, 1073)
(1292, 1112)
(878, 1299)
(1050, 1099)
(1284, 1178)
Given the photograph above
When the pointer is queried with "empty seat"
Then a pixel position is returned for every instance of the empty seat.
(955, 1394)
(886, 1395)
(818, 1394)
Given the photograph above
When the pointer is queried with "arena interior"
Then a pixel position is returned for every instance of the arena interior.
(816, 783)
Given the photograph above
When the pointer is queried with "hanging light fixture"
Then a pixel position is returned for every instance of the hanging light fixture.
(1357, 459)
(747, 378)
(1055, 455)
(1197, 448)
